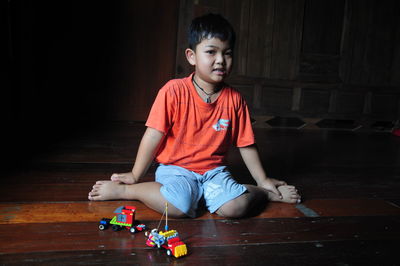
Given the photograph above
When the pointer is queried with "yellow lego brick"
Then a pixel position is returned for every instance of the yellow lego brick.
(180, 251)
(168, 233)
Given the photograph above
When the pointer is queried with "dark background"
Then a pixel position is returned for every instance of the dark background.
(71, 66)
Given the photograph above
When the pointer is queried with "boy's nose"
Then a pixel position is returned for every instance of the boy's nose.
(220, 59)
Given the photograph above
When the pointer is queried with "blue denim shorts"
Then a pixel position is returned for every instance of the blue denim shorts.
(184, 189)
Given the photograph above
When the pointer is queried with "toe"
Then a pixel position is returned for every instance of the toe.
(96, 186)
(115, 177)
(94, 197)
(93, 193)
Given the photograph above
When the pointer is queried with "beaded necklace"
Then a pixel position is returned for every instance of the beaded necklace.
(208, 99)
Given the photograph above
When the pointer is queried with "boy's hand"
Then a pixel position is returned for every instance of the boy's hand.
(271, 185)
(126, 178)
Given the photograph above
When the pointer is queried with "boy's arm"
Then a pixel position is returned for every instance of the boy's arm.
(147, 149)
(252, 160)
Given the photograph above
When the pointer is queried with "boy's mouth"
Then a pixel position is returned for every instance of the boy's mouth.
(220, 71)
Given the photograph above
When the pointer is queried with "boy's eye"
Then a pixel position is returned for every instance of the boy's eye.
(210, 52)
(228, 53)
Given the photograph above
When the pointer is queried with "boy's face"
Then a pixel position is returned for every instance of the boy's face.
(212, 59)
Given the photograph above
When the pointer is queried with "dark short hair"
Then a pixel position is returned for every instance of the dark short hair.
(210, 26)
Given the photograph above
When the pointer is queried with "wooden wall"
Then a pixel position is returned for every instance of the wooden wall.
(335, 59)
(72, 64)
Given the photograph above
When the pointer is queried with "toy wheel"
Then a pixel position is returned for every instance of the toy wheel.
(116, 227)
(102, 227)
(132, 230)
(169, 252)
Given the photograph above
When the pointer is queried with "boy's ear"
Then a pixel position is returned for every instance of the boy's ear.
(190, 56)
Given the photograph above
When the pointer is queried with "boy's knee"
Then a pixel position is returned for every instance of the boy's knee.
(184, 203)
(176, 213)
(235, 208)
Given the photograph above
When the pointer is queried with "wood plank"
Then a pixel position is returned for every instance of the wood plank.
(198, 233)
(57, 212)
(353, 207)
(356, 252)
(374, 252)
(15, 213)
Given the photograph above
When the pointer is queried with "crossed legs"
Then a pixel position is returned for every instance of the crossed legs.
(149, 193)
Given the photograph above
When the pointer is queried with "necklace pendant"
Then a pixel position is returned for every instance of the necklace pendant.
(208, 100)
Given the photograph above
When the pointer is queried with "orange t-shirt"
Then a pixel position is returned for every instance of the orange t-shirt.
(197, 134)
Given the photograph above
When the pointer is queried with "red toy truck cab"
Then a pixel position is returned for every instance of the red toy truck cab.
(125, 217)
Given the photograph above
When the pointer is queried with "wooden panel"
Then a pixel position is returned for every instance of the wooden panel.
(258, 38)
(321, 40)
(372, 39)
(319, 67)
(323, 23)
(276, 100)
(360, 11)
(380, 42)
(314, 101)
(242, 31)
(235, 12)
(248, 94)
(278, 43)
(286, 44)
(395, 75)
(142, 64)
(349, 103)
(385, 106)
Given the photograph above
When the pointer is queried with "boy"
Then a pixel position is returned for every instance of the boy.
(191, 125)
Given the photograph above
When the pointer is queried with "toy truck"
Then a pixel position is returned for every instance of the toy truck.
(168, 240)
(124, 218)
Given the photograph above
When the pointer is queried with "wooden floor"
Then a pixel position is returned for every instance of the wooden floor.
(350, 182)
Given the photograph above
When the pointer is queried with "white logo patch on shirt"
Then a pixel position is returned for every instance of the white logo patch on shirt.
(222, 124)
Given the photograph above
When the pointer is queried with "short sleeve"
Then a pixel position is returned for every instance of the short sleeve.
(162, 111)
(244, 134)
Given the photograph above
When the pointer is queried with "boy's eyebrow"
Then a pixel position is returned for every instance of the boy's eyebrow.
(214, 46)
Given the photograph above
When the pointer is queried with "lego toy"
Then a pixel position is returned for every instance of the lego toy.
(168, 240)
(125, 217)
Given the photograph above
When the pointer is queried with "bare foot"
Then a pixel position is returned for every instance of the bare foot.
(126, 178)
(289, 195)
(107, 190)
